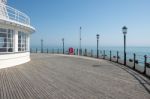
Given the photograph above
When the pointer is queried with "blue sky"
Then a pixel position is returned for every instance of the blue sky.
(57, 19)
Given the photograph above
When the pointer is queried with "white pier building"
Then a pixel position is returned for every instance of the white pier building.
(15, 31)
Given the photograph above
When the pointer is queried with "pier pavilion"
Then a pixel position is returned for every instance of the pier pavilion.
(15, 31)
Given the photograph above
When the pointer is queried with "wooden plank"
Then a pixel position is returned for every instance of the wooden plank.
(65, 77)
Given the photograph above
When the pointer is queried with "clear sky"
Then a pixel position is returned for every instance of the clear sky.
(57, 19)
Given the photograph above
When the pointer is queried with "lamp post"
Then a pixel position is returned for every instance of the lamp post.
(124, 30)
(80, 50)
(41, 45)
(63, 44)
(97, 45)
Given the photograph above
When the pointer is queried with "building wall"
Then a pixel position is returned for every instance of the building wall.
(19, 53)
(15, 58)
(16, 29)
(9, 60)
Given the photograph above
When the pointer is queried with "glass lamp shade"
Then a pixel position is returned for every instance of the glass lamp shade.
(97, 36)
(124, 30)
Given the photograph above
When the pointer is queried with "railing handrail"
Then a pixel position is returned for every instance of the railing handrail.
(14, 14)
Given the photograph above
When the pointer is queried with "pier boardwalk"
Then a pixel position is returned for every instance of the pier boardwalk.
(50, 76)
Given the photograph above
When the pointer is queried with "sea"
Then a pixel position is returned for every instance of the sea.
(139, 51)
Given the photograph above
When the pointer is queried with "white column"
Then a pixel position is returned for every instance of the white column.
(15, 40)
(28, 42)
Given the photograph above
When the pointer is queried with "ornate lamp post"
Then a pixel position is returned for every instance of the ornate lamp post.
(97, 36)
(124, 30)
(63, 45)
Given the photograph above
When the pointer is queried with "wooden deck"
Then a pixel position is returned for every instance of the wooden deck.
(65, 77)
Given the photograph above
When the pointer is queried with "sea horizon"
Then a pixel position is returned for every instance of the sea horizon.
(140, 51)
(134, 49)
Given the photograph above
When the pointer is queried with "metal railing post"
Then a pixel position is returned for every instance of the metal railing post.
(110, 55)
(104, 55)
(80, 52)
(30, 50)
(77, 51)
(47, 50)
(36, 50)
(145, 62)
(134, 60)
(74, 52)
(91, 53)
(85, 52)
(117, 56)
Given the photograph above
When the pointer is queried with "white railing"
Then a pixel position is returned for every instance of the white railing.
(10, 13)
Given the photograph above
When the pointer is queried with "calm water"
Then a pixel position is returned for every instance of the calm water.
(139, 51)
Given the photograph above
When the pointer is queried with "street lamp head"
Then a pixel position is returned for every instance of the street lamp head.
(97, 36)
(124, 30)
